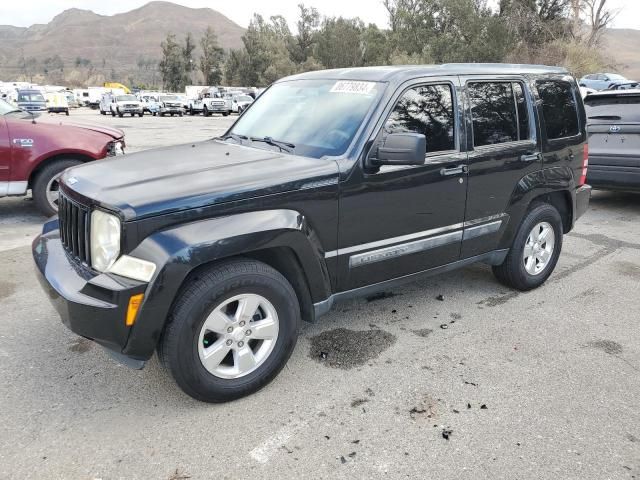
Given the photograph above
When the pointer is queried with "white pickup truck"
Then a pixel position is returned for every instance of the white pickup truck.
(209, 102)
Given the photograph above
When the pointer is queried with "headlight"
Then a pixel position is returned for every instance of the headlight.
(105, 240)
(115, 148)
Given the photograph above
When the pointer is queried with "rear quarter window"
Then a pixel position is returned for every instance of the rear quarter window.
(559, 108)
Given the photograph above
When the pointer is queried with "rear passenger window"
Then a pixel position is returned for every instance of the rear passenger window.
(559, 109)
(427, 110)
(499, 111)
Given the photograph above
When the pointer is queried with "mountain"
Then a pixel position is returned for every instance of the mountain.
(113, 43)
(621, 45)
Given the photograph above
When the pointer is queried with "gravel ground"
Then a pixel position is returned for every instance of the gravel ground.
(453, 377)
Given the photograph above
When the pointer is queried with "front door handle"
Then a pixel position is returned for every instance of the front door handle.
(445, 172)
(534, 157)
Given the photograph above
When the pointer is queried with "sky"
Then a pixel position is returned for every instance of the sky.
(240, 11)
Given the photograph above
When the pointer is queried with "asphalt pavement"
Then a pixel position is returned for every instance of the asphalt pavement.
(453, 377)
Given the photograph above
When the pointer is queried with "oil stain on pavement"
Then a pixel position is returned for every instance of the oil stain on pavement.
(7, 289)
(607, 346)
(344, 348)
(81, 345)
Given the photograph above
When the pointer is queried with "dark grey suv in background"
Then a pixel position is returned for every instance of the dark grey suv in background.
(613, 123)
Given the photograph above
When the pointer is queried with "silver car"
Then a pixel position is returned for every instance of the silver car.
(613, 125)
(602, 81)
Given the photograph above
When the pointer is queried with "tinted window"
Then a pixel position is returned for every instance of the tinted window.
(428, 110)
(493, 109)
(523, 112)
(559, 109)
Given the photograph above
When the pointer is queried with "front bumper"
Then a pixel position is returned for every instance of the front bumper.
(93, 305)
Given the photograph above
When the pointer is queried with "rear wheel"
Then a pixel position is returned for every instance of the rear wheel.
(113, 114)
(535, 250)
(231, 331)
(45, 189)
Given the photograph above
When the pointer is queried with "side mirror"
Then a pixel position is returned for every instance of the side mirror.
(401, 149)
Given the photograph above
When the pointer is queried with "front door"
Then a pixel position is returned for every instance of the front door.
(398, 220)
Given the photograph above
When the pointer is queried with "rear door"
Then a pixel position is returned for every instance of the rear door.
(503, 148)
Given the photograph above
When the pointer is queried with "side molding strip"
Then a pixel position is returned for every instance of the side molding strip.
(404, 249)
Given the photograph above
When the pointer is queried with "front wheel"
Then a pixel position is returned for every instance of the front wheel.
(45, 189)
(535, 250)
(205, 111)
(231, 331)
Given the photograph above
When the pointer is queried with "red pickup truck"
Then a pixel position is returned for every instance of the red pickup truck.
(33, 154)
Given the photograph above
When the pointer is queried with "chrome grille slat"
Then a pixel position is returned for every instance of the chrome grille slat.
(74, 228)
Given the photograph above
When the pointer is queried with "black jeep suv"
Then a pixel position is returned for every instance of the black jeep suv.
(333, 184)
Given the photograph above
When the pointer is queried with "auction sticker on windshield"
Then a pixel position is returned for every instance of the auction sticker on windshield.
(362, 88)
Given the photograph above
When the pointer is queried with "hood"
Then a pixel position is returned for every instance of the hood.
(157, 182)
(112, 132)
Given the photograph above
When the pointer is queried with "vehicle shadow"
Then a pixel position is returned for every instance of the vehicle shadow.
(612, 200)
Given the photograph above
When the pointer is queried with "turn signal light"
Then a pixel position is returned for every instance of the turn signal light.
(585, 165)
(134, 305)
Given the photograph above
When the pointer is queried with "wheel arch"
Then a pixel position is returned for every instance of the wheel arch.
(289, 245)
(84, 158)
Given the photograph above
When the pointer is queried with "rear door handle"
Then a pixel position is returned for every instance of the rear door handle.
(534, 157)
(445, 172)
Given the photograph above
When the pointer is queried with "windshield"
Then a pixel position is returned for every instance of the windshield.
(244, 98)
(30, 97)
(319, 117)
(7, 108)
(126, 98)
(169, 98)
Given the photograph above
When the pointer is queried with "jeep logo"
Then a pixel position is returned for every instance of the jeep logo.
(614, 129)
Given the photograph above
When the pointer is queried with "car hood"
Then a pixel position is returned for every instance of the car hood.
(112, 132)
(162, 181)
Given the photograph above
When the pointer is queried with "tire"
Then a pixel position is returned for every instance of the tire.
(154, 113)
(42, 181)
(66, 112)
(120, 114)
(102, 112)
(514, 272)
(141, 114)
(225, 114)
(179, 114)
(184, 341)
(191, 112)
(113, 114)
(205, 111)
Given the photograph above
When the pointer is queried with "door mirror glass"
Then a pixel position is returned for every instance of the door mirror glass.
(401, 149)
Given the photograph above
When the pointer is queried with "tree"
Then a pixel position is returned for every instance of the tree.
(211, 58)
(599, 17)
(308, 23)
(339, 42)
(172, 64)
(187, 56)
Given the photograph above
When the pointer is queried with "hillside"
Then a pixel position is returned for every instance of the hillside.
(621, 45)
(113, 44)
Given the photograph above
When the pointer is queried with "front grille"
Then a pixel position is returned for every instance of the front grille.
(74, 228)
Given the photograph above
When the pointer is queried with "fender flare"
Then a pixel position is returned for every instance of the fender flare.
(533, 185)
(178, 251)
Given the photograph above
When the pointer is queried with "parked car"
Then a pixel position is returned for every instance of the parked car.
(34, 154)
(240, 103)
(602, 81)
(126, 104)
(170, 105)
(57, 102)
(209, 102)
(613, 119)
(72, 101)
(625, 86)
(31, 100)
(213, 254)
(150, 104)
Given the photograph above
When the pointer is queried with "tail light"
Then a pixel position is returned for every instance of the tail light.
(585, 165)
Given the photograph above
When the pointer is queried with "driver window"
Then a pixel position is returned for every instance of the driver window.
(428, 110)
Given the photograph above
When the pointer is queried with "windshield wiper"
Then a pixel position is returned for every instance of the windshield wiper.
(234, 136)
(283, 146)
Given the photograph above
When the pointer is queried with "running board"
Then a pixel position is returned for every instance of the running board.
(496, 257)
